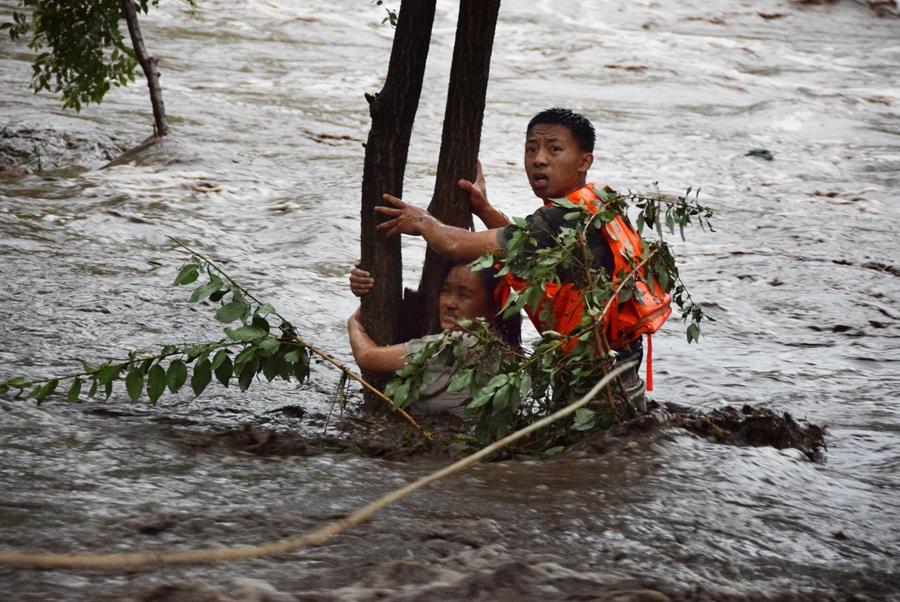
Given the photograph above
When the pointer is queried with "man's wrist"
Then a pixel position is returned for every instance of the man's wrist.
(426, 223)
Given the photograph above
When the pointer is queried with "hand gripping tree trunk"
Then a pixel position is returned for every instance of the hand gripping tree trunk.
(149, 65)
(461, 136)
(393, 111)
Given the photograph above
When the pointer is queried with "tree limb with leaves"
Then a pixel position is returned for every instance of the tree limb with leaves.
(509, 388)
(82, 52)
(254, 347)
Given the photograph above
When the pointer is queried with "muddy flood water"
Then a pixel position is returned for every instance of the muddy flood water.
(263, 170)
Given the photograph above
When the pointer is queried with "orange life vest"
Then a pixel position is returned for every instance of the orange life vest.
(644, 313)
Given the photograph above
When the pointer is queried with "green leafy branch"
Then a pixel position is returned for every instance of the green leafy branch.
(81, 49)
(656, 210)
(252, 347)
(507, 388)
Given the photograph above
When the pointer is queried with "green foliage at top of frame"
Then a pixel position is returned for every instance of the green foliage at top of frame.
(508, 388)
(82, 51)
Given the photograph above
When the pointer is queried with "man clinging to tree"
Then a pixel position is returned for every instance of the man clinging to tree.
(559, 148)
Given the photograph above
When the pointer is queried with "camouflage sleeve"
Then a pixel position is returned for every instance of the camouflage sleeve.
(543, 225)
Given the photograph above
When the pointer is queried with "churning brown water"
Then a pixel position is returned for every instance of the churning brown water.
(263, 170)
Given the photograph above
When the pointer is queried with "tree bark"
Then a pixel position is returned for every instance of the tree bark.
(150, 67)
(393, 111)
(461, 136)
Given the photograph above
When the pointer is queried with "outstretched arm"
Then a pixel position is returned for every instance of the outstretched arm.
(479, 203)
(370, 356)
(453, 243)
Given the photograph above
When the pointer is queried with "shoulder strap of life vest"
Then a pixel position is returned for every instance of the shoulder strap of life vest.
(650, 306)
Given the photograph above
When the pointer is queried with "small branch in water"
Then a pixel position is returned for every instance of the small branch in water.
(219, 269)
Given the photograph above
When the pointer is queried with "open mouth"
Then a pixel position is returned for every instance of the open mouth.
(539, 180)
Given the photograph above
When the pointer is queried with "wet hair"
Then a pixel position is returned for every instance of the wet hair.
(581, 127)
(509, 329)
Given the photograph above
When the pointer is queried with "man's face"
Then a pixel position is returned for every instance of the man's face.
(463, 297)
(554, 163)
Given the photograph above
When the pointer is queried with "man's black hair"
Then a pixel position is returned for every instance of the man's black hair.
(581, 127)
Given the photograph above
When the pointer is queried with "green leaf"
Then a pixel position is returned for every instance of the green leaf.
(485, 261)
(75, 389)
(134, 383)
(269, 346)
(693, 333)
(292, 356)
(270, 367)
(202, 292)
(246, 333)
(195, 351)
(564, 202)
(18, 382)
(93, 389)
(232, 311)
(264, 310)
(585, 419)
(217, 295)
(285, 368)
(261, 323)
(501, 399)
(391, 386)
(461, 380)
(482, 398)
(224, 369)
(3, 389)
(524, 385)
(244, 356)
(220, 357)
(46, 390)
(187, 274)
(400, 394)
(156, 382)
(108, 373)
(245, 379)
(201, 377)
(176, 375)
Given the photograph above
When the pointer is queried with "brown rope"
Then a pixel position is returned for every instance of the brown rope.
(152, 560)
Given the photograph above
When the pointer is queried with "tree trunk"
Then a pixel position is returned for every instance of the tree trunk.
(461, 136)
(150, 66)
(393, 111)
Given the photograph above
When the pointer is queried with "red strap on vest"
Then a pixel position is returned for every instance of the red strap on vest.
(649, 362)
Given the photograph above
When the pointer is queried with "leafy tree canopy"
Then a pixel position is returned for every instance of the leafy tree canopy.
(82, 50)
